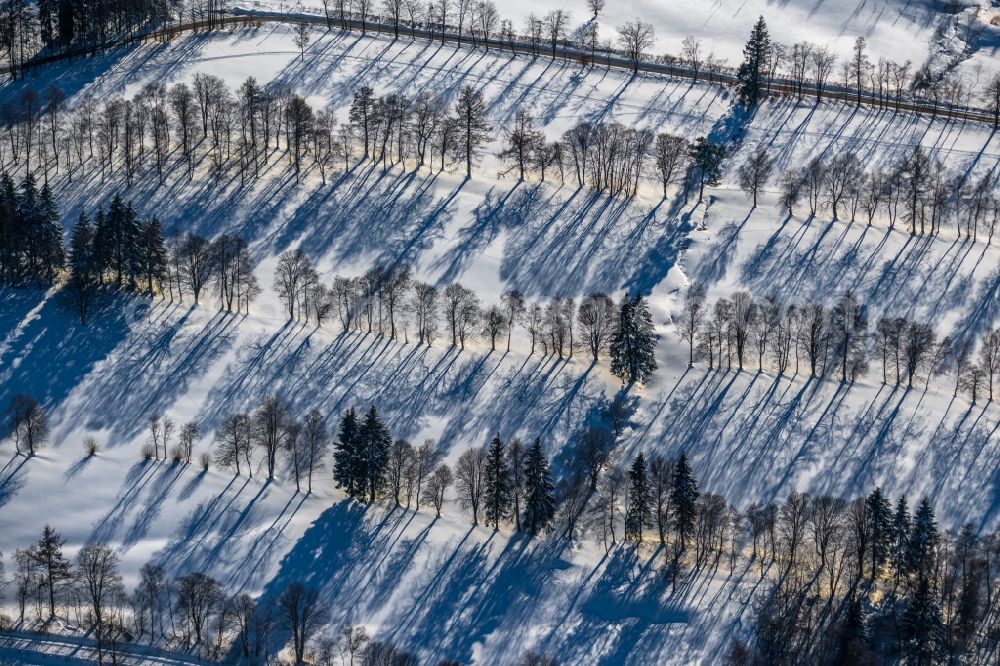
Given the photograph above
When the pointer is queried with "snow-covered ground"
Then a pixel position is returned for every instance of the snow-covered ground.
(947, 34)
(438, 586)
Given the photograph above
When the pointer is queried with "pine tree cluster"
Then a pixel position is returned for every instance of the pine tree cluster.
(31, 247)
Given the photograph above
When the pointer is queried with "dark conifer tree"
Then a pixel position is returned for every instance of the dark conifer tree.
(753, 70)
(11, 232)
(900, 536)
(374, 459)
(880, 518)
(923, 541)
(103, 246)
(82, 277)
(683, 502)
(853, 647)
(706, 160)
(346, 456)
(539, 491)
(154, 254)
(50, 236)
(921, 626)
(496, 487)
(638, 513)
(633, 342)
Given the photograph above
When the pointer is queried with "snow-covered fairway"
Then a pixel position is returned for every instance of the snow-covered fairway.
(437, 586)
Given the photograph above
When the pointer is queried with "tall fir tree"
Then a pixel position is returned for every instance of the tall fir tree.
(880, 518)
(376, 441)
(82, 278)
(752, 73)
(638, 514)
(53, 254)
(921, 626)
(901, 522)
(11, 232)
(154, 255)
(346, 455)
(633, 343)
(683, 502)
(923, 541)
(496, 487)
(539, 491)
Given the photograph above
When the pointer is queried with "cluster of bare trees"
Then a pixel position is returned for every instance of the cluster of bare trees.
(272, 430)
(390, 302)
(838, 341)
(916, 190)
(605, 156)
(243, 127)
(188, 612)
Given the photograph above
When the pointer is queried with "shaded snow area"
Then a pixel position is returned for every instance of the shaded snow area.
(437, 586)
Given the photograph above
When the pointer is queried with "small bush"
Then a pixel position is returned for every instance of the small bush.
(148, 452)
(205, 461)
(90, 446)
(177, 454)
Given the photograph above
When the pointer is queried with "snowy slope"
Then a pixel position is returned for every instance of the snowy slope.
(751, 437)
(946, 34)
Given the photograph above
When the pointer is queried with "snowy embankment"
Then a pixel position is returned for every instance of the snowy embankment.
(438, 586)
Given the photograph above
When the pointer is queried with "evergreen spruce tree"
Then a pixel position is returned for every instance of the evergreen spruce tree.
(54, 567)
(880, 516)
(900, 535)
(683, 502)
(50, 232)
(921, 626)
(853, 647)
(11, 232)
(104, 243)
(135, 245)
(33, 228)
(638, 513)
(496, 487)
(539, 491)
(633, 342)
(82, 280)
(154, 254)
(752, 72)
(376, 441)
(706, 158)
(346, 452)
(923, 540)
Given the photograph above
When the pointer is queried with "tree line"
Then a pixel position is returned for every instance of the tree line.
(114, 250)
(190, 613)
(839, 341)
(802, 68)
(389, 302)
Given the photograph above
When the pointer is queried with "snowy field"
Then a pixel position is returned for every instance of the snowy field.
(438, 586)
(950, 35)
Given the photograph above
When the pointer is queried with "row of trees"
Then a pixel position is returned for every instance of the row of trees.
(118, 251)
(390, 302)
(610, 157)
(768, 66)
(916, 190)
(740, 329)
(875, 581)
(31, 245)
(115, 250)
(189, 612)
